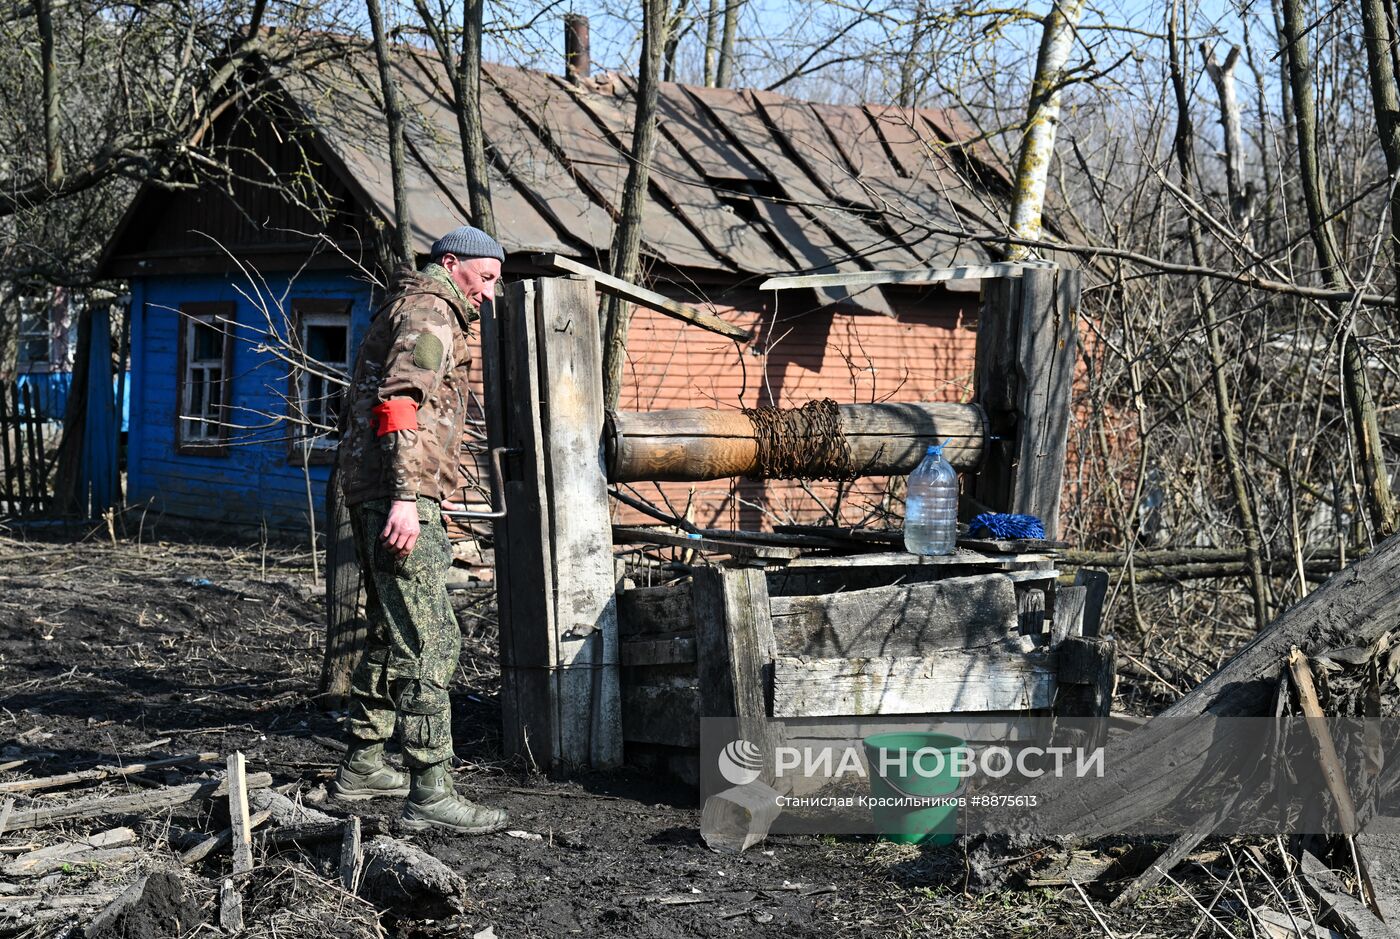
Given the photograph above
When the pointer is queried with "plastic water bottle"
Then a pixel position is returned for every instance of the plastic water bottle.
(931, 505)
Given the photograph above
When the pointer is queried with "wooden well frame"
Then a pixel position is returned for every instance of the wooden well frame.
(595, 669)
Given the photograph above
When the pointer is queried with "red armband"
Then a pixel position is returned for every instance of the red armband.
(396, 414)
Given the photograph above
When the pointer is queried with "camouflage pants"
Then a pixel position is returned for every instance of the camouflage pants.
(414, 642)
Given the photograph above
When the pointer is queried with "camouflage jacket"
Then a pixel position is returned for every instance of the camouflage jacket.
(416, 348)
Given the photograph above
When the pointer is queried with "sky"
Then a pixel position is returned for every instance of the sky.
(775, 33)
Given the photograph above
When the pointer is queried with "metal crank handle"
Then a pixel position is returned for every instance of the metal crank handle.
(498, 487)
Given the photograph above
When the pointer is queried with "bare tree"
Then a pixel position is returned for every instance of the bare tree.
(1378, 18)
(1042, 121)
(627, 236)
(464, 67)
(1361, 404)
(724, 65)
(1183, 145)
(402, 242)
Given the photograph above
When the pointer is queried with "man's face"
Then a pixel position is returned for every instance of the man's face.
(477, 277)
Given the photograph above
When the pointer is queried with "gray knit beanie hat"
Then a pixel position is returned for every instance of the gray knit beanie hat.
(468, 242)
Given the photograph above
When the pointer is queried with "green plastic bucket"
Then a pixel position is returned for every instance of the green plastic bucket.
(914, 774)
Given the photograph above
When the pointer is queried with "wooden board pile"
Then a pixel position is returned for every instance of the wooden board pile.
(99, 852)
(1332, 655)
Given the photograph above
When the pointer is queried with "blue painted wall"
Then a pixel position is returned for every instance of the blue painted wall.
(256, 481)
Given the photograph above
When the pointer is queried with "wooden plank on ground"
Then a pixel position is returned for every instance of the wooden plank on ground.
(949, 681)
(241, 831)
(1328, 889)
(582, 580)
(103, 847)
(230, 907)
(216, 841)
(101, 772)
(615, 286)
(107, 915)
(132, 804)
(350, 855)
(956, 614)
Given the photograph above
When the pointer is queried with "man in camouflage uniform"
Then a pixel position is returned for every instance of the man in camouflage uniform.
(398, 462)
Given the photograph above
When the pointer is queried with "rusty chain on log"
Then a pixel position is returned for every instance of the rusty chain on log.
(802, 443)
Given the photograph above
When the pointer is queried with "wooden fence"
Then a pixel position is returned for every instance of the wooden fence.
(26, 467)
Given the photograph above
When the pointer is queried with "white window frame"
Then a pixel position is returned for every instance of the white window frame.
(322, 409)
(204, 427)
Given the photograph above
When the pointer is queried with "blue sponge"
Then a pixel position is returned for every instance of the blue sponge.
(999, 525)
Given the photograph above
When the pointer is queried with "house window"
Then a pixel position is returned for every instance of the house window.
(205, 357)
(323, 333)
(34, 335)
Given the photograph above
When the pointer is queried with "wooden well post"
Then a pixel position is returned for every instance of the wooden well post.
(555, 586)
(1026, 338)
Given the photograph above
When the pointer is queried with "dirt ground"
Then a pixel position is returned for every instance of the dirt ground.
(118, 649)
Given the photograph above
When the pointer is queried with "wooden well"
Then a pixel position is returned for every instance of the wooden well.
(827, 635)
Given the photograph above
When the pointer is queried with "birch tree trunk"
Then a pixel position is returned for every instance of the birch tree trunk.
(724, 69)
(1042, 122)
(1365, 427)
(402, 242)
(712, 27)
(627, 237)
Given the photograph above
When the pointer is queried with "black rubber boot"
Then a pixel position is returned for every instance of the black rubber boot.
(433, 803)
(364, 775)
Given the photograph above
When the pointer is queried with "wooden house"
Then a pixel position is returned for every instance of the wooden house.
(230, 285)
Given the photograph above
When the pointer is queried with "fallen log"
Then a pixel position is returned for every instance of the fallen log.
(1153, 768)
(391, 873)
(133, 804)
(283, 811)
(1349, 912)
(101, 772)
(397, 874)
(213, 843)
(104, 847)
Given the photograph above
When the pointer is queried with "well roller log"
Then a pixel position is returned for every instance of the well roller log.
(698, 444)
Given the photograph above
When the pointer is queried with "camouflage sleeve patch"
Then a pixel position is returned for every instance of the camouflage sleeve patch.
(427, 352)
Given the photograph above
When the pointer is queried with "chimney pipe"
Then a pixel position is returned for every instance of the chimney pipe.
(576, 60)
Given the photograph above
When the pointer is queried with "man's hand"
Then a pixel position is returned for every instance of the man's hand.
(400, 532)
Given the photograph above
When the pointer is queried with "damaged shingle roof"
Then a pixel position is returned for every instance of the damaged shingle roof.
(744, 183)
